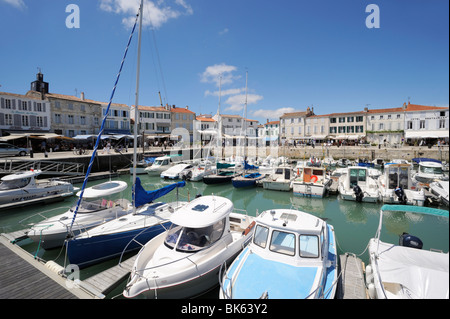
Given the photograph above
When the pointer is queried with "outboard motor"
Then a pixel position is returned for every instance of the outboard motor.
(408, 240)
(358, 193)
(402, 199)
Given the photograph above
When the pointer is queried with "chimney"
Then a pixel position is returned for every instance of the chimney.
(404, 106)
(366, 109)
(82, 96)
(187, 107)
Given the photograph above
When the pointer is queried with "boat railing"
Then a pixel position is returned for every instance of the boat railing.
(26, 221)
(223, 270)
(136, 241)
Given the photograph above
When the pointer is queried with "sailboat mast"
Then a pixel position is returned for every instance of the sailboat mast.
(136, 104)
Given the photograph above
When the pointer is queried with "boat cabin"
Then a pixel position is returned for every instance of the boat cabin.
(18, 180)
(290, 235)
(398, 175)
(199, 224)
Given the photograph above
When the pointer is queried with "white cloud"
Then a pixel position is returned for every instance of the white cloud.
(272, 114)
(155, 13)
(212, 74)
(224, 92)
(224, 31)
(237, 102)
(19, 4)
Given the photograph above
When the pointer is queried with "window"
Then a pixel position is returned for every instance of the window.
(25, 121)
(398, 116)
(260, 236)
(350, 119)
(333, 120)
(83, 120)
(187, 239)
(7, 103)
(381, 126)
(8, 119)
(422, 124)
(283, 243)
(57, 118)
(70, 118)
(359, 119)
(40, 121)
(309, 246)
(442, 113)
(409, 125)
(342, 120)
(441, 123)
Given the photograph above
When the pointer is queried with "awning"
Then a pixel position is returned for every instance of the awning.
(426, 134)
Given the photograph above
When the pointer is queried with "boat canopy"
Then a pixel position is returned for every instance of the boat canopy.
(20, 175)
(416, 209)
(203, 211)
(143, 196)
(224, 165)
(104, 189)
(248, 166)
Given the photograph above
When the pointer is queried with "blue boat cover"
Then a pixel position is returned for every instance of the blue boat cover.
(143, 196)
(248, 166)
(424, 159)
(224, 165)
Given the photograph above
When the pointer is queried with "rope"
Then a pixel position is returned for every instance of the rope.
(94, 153)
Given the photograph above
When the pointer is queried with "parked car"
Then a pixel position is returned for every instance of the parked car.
(12, 150)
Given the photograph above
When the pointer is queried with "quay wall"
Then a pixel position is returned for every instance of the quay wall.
(115, 161)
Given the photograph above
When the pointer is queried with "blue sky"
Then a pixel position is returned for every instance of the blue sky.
(297, 53)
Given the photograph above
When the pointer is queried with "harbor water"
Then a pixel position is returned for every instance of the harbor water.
(354, 223)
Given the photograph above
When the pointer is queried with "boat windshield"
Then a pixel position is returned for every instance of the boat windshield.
(188, 239)
(15, 183)
(357, 175)
(431, 170)
(161, 162)
(93, 205)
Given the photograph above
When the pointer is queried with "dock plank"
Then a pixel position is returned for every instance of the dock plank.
(22, 277)
(352, 281)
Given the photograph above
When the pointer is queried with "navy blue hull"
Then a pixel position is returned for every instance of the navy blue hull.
(85, 252)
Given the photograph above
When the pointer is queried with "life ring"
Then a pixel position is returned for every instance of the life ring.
(249, 228)
(314, 178)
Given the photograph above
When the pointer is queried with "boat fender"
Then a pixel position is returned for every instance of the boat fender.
(408, 240)
(249, 228)
(372, 291)
(314, 178)
(54, 267)
(369, 275)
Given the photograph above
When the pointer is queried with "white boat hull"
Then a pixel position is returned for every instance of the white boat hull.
(277, 186)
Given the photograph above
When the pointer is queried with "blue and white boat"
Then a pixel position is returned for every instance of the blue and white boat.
(247, 180)
(127, 233)
(292, 255)
(405, 270)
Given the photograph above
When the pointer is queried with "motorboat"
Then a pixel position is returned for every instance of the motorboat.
(343, 162)
(405, 270)
(184, 261)
(205, 168)
(396, 186)
(224, 174)
(312, 182)
(142, 165)
(161, 164)
(357, 185)
(280, 180)
(100, 203)
(292, 255)
(24, 187)
(127, 233)
(178, 171)
(329, 162)
(429, 172)
(378, 163)
(440, 189)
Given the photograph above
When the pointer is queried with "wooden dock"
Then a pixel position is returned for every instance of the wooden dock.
(23, 277)
(352, 285)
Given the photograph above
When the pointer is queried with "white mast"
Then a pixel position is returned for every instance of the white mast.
(136, 104)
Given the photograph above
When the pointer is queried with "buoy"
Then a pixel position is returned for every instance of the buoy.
(315, 178)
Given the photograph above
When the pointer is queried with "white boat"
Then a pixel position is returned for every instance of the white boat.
(280, 180)
(406, 271)
(177, 171)
(184, 262)
(100, 203)
(396, 186)
(312, 182)
(205, 168)
(440, 189)
(161, 164)
(292, 255)
(378, 163)
(127, 233)
(23, 187)
(429, 172)
(357, 185)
